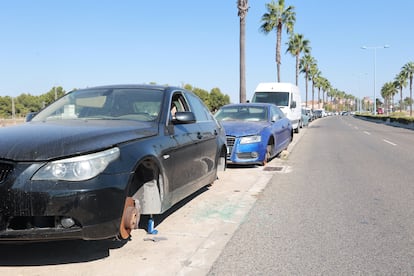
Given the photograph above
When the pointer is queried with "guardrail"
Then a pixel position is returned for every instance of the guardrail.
(403, 122)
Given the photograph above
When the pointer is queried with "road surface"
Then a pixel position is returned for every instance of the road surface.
(346, 207)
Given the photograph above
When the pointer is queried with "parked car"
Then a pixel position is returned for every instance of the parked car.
(318, 113)
(88, 165)
(308, 111)
(256, 132)
(305, 118)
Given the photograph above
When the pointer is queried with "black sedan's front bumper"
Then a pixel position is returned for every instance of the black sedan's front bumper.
(55, 210)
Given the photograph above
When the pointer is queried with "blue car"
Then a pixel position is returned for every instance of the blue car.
(255, 132)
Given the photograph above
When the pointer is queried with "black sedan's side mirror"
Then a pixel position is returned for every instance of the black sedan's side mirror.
(184, 117)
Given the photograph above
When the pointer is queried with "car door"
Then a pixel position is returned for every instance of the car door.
(281, 128)
(207, 138)
(183, 157)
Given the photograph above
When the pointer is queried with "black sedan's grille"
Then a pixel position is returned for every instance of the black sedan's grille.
(230, 144)
(5, 170)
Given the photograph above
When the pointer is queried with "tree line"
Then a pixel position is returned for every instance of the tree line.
(20, 106)
(391, 88)
(280, 17)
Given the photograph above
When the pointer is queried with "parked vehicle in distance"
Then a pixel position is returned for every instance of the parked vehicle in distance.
(285, 95)
(309, 112)
(88, 165)
(256, 132)
(305, 118)
(318, 113)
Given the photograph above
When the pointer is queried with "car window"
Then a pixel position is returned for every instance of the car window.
(242, 113)
(278, 112)
(277, 98)
(178, 104)
(198, 108)
(114, 104)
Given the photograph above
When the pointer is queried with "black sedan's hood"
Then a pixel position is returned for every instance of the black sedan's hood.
(41, 141)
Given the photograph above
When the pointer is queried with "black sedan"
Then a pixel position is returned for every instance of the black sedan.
(88, 165)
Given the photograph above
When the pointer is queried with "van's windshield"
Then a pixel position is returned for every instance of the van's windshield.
(277, 98)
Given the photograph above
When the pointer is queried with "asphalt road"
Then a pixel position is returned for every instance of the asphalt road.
(344, 208)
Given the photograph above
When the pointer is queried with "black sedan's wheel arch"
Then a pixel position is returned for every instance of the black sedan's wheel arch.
(147, 172)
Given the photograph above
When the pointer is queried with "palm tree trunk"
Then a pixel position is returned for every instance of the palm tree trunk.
(306, 88)
(242, 60)
(278, 45)
(313, 94)
(411, 96)
(297, 69)
(319, 97)
(243, 7)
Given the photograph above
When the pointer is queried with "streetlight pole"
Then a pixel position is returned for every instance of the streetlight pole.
(375, 69)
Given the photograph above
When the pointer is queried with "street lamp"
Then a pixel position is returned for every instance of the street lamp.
(375, 69)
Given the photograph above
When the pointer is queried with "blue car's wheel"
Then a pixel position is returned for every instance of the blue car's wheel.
(268, 156)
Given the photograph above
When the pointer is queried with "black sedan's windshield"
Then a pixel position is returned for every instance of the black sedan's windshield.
(123, 104)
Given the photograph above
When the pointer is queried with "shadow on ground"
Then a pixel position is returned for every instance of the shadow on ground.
(57, 252)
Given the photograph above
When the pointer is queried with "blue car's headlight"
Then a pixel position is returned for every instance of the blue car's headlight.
(78, 168)
(250, 139)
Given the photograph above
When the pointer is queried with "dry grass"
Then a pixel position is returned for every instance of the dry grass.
(10, 122)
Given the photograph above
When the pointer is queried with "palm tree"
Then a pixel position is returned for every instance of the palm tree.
(333, 92)
(305, 63)
(243, 7)
(318, 84)
(341, 96)
(313, 75)
(326, 86)
(276, 18)
(296, 45)
(400, 82)
(388, 90)
(408, 71)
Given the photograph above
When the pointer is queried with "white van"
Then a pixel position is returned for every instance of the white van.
(284, 95)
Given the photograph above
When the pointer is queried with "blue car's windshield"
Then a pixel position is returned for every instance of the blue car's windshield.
(113, 104)
(242, 113)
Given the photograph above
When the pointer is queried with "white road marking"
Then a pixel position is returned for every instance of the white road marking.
(391, 143)
(367, 133)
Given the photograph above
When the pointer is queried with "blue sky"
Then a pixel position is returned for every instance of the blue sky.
(81, 43)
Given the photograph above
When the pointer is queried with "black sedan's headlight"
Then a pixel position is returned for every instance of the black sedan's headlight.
(78, 168)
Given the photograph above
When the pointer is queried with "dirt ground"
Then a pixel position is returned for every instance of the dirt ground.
(10, 122)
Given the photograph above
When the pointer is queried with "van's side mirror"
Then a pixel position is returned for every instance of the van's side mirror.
(293, 104)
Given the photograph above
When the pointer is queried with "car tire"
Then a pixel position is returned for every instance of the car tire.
(268, 155)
